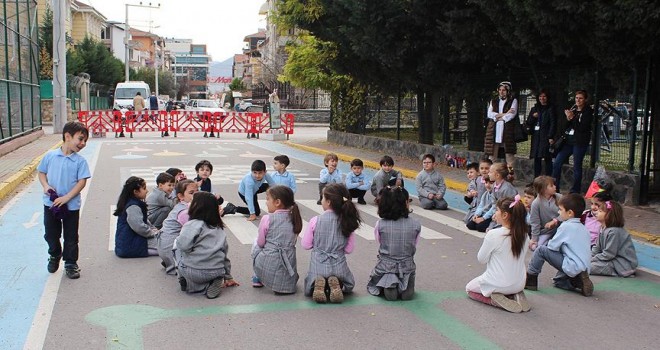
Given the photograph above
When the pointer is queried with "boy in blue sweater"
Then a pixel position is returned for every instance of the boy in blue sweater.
(281, 176)
(569, 251)
(252, 184)
(357, 182)
(330, 174)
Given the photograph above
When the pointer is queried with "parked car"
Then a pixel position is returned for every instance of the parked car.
(200, 105)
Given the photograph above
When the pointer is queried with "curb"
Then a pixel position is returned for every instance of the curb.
(9, 185)
(451, 184)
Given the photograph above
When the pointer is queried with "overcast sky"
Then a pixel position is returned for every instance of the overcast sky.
(220, 24)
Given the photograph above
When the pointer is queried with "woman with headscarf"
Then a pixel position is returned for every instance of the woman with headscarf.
(500, 129)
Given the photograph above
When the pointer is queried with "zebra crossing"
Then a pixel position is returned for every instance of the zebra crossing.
(246, 231)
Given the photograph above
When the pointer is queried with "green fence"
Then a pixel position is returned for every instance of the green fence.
(95, 102)
(20, 107)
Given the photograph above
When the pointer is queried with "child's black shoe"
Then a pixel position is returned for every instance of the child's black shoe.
(362, 201)
(229, 209)
(532, 282)
(53, 264)
(73, 272)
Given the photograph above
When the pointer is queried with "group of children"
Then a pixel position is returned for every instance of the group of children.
(556, 228)
(181, 221)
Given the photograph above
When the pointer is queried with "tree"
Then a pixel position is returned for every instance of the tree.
(46, 31)
(237, 85)
(93, 58)
(46, 65)
(165, 80)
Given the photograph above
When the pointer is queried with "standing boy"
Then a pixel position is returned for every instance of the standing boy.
(330, 174)
(281, 176)
(63, 173)
(252, 184)
(569, 251)
(431, 185)
(357, 182)
(386, 176)
(160, 201)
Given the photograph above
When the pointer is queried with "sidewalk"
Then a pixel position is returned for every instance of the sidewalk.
(21, 163)
(641, 223)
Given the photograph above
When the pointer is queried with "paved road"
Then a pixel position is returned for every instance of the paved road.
(132, 304)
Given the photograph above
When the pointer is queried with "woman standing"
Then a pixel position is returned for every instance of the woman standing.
(542, 125)
(577, 134)
(502, 112)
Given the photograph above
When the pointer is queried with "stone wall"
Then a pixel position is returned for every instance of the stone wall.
(47, 111)
(626, 186)
(387, 118)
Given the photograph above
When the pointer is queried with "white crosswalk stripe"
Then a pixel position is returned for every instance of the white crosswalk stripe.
(245, 231)
(426, 233)
(441, 219)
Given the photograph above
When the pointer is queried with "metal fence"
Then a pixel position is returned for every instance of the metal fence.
(20, 108)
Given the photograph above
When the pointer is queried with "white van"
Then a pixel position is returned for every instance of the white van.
(125, 92)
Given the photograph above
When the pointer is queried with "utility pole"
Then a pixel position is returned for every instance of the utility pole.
(126, 32)
(156, 49)
(59, 66)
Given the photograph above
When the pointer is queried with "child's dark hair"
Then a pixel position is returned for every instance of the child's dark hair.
(530, 191)
(429, 156)
(341, 204)
(517, 214)
(283, 159)
(182, 185)
(258, 165)
(72, 128)
(163, 178)
(204, 206)
(330, 156)
(486, 160)
(473, 166)
(386, 160)
(204, 163)
(574, 202)
(613, 213)
(131, 185)
(542, 182)
(357, 162)
(285, 195)
(393, 203)
(173, 171)
(603, 196)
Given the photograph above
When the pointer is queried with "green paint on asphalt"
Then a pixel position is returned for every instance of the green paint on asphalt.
(124, 323)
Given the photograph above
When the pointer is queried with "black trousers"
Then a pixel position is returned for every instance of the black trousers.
(481, 227)
(55, 228)
(257, 210)
(355, 193)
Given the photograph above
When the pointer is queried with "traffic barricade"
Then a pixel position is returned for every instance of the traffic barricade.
(187, 121)
(97, 122)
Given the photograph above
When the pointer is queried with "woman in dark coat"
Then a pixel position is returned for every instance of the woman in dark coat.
(502, 112)
(542, 125)
(576, 129)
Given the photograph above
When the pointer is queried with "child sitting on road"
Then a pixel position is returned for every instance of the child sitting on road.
(330, 174)
(356, 181)
(160, 200)
(431, 185)
(201, 249)
(135, 237)
(331, 236)
(251, 185)
(529, 194)
(397, 234)
(177, 173)
(281, 176)
(386, 176)
(568, 251)
(503, 251)
(484, 212)
(589, 217)
(177, 217)
(471, 196)
(544, 217)
(274, 252)
(501, 187)
(614, 253)
(204, 169)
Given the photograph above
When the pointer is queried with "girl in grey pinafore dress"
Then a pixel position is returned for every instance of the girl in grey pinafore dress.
(172, 226)
(398, 235)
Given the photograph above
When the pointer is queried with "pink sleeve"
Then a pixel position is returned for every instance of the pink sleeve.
(307, 241)
(350, 244)
(376, 233)
(183, 217)
(263, 231)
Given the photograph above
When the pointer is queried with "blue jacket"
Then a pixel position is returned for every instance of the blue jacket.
(129, 244)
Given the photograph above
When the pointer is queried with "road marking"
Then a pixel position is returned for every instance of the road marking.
(245, 231)
(113, 228)
(447, 221)
(33, 221)
(426, 233)
(365, 231)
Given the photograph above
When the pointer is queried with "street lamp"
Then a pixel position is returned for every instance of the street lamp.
(126, 30)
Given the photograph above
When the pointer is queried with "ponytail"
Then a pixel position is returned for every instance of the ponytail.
(296, 219)
(518, 225)
(341, 204)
